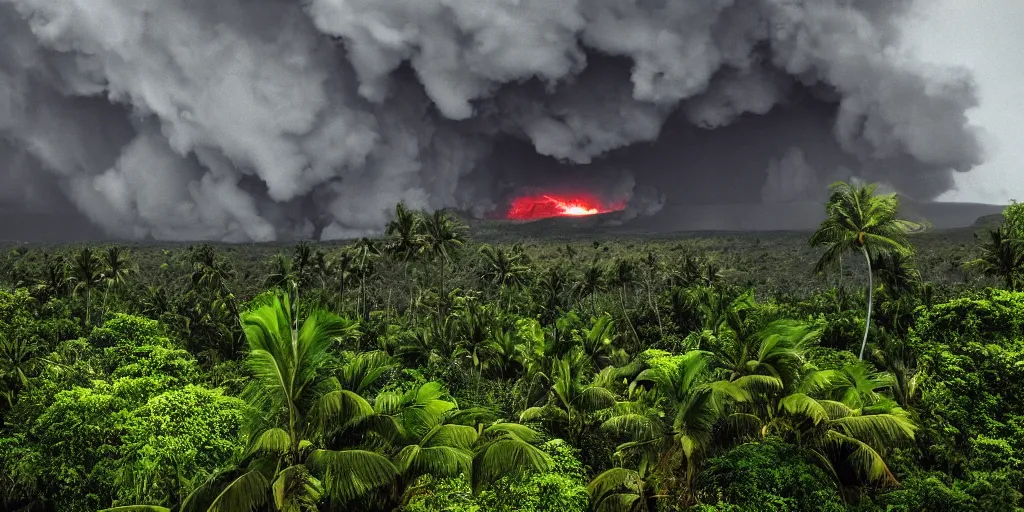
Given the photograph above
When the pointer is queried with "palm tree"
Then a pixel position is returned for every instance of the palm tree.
(281, 273)
(404, 233)
(117, 267)
(85, 271)
(897, 357)
(299, 412)
(19, 361)
(622, 490)
(475, 323)
(572, 404)
(623, 276)
(842, 431)
(591, 282)
(366, 252)
(597, 341)
(1002, 256)
(344, 271)
(503, 269)
(652, 267)
(210, 272)
(677, 423)
(442, 235)
(55, 276)
(898, 274)
(776, 351)
(553, 288)
(860, 221)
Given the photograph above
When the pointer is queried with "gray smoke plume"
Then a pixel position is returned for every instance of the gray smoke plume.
(267, 119)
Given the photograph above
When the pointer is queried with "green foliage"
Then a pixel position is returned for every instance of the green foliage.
(769, 476)
(560, 489)
(174, 442)
(693, 373)
(971, 352)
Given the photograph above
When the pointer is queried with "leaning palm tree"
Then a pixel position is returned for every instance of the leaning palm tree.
(860, 221)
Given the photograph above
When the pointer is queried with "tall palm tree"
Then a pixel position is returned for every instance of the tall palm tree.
(344, 268)
(442, 235)
(55, 276)
(404, 233)
(299, 411)
(86, 272)
(117, 267)
(860, 221)
(622, 275)
(366, 254)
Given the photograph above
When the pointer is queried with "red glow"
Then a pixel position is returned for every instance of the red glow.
(558, 205)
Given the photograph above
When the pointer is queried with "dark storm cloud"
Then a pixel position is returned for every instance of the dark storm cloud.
(262, 119)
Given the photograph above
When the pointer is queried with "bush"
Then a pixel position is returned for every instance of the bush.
(767, 476)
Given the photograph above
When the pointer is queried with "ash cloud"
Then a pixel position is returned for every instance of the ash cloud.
(267, 119)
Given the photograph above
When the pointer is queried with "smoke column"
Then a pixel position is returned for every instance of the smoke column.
(268, 119)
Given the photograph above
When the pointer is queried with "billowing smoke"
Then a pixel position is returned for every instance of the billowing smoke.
(267, 119)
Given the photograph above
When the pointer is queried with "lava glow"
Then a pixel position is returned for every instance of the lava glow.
(552, 205)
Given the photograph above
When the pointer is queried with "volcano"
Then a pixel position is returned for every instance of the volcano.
(544, 206)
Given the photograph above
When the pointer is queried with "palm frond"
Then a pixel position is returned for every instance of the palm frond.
(246, 493)
(350, 474)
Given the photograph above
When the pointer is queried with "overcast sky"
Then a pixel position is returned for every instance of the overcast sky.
(988, 37)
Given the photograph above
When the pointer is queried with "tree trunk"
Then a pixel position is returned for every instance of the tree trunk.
(440, 295)
(88, 306)
(867, 321)
(622, 304)
(654, 308)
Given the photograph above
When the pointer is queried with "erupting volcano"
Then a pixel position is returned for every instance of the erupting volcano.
(551, 205)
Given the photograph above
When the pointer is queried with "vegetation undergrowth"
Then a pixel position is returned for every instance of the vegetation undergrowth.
(429, 371)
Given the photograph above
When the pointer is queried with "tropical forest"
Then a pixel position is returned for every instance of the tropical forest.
(454, 365)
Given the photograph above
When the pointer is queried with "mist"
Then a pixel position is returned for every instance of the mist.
(263, 120)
